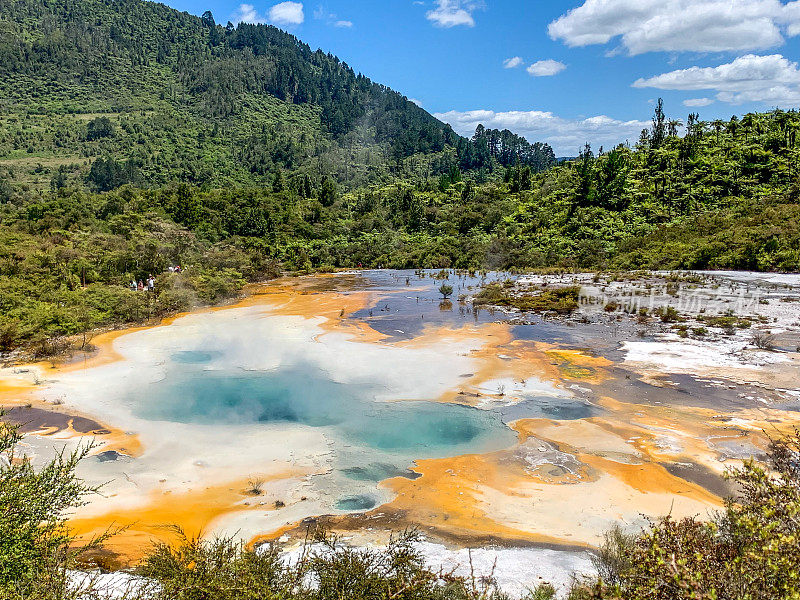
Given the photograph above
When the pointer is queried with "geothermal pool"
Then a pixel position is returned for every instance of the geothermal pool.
(365, 403)
(305, 395)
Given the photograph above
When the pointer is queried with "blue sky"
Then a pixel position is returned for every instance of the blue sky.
(562, 72)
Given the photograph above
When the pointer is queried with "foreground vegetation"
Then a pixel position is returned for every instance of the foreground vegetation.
(748, 551)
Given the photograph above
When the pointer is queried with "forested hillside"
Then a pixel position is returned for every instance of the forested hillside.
(160, 95)
(722, 196)
(134, 138)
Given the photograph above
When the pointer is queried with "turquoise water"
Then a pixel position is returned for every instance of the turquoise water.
(357, 503)
(377, 472)
(561, 409)
(305, 395)
(196, 357)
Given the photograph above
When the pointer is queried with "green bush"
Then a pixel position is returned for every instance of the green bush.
(218, 569)
(562, 300)
(214, 286)
(749, 551)
(34, 540)
(174, 300)
(667, 314)
(225, 570)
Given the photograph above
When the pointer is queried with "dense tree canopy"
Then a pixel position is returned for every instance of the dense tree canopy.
(719, 197)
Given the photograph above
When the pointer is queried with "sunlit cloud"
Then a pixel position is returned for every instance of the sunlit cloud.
(452, 13)
(287, 13)
(769, 79)
(247, 13)
(698, 102)
(513, 63)
(546, 68)
(679, 25)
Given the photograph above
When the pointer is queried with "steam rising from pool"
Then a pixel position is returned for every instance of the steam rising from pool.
(371, 431)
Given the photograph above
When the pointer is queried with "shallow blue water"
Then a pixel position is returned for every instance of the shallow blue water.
(377, 472)
(306, 395)
(195, 357)
(356, 503)
(560, 409)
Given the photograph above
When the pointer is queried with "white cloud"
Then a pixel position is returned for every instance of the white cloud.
(287, 13)
(770, 79)
(546, 68)
(451, 13)
(415, 101)
(566, 136)
(320, 13)
(247, 13)
(513, 63)
(695, 102)
(679, 25)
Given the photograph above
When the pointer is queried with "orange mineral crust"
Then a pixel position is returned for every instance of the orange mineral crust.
(166, 516)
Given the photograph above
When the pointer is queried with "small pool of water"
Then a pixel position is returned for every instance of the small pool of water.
(378, 472)
(356, 503)
(195, 357)
(559, 409)
(412, 301)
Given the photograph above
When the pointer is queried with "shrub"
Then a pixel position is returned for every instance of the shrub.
(491, 294)
(34, 540)
(614, 555)
(727, 322)
(559, 300)
(219, 569)
(213, 286)
(225, 570)
(49, 347)
(174, 300)
(749, 551)
(9, 334)
(763, 340)
(667, 314)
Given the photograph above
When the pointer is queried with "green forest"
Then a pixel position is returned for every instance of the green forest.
(134, 137)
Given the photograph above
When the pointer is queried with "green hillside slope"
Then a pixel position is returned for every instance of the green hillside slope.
(171, 96)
